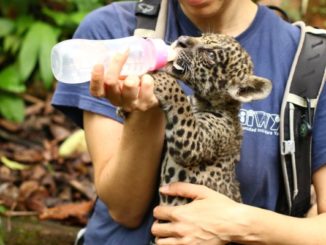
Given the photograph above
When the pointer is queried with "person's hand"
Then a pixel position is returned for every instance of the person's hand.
(206, 220)
(130, 93)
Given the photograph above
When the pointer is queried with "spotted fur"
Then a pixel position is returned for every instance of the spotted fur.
(203, 133)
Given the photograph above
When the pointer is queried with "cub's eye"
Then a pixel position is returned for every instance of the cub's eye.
(211, 55)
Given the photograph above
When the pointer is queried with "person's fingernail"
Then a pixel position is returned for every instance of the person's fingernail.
(122, 77)
(98, 68)
(164, 188)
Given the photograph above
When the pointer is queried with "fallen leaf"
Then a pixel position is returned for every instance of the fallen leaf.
(33, 176)
(9, 194)
(6, 175)
(13, 164)
(78, 211)
(59, 132)
(10, 126)
(36, 202)
(85, 187)
(74, 143)
(27, 188)
(28, 156)
(37, 173)
(32, 196)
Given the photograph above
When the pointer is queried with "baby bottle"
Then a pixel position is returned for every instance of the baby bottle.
(72, 60)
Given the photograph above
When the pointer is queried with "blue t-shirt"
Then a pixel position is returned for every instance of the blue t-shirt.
(271, 42)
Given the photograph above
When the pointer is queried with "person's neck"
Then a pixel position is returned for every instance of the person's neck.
(232, 19)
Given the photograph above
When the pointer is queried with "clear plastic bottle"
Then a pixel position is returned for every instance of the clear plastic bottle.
(72, 60)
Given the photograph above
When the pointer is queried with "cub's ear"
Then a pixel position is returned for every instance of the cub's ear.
(251, 88)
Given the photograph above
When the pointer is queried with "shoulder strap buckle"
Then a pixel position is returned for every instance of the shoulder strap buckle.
(288, 147)
(147, 8)
(151, 18)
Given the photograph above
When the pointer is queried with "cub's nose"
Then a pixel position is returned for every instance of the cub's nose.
(185, 42)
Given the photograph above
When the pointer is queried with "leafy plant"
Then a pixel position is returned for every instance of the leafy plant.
(28, 31)
(321, 8)
(295, 14)
(2, 209)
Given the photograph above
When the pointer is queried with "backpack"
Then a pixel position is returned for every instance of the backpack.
(304, 86)
(305, 83)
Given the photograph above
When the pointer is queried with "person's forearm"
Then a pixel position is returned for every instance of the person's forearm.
(259, 226)
(127, 183)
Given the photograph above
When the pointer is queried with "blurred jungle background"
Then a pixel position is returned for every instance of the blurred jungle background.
(46, 189)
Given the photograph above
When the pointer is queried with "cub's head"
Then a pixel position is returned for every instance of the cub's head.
(217, 67)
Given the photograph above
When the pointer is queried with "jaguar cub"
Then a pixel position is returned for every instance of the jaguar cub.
(203, 133)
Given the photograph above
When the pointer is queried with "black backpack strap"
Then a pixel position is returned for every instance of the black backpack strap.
(280, 12)
(151, 18)
(304, 86)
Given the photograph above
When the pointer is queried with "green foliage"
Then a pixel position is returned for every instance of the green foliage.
(1, 227)
(321, 9)
(12, 107)
(36, 49)
(28, 31)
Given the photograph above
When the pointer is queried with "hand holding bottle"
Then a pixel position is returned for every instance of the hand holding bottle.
(103, 61)
(72, 60)
(131, 92)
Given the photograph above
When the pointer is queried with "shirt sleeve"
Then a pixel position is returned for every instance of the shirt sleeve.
(112, 21)
(319, 134)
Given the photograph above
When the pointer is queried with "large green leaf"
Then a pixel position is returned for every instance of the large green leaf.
(77, 17)
(49, 39)
(36, 47)
(60, 18)
(28, 54)
(64, 19)
(6, 26)
(23, 23)
(12, 107)
(86, 5)
(11, 43)
(10, 80)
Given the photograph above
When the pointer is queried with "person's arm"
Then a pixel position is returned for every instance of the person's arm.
(126, 157)
(214, 215)
(274, 228)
